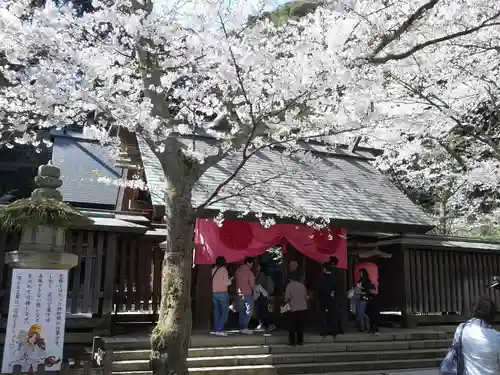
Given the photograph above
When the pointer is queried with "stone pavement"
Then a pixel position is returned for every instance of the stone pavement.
(415, 372)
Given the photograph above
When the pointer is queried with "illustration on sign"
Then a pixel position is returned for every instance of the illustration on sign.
(35, 327)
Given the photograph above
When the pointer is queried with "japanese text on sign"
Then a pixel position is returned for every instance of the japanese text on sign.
(35, 327)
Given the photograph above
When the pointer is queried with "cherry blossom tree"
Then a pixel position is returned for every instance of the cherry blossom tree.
(452, 162)
(173, 72)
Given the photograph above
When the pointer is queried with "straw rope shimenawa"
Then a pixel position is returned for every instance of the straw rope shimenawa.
(44, 207)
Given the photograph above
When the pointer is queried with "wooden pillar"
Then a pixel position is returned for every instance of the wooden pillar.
(109, 282)
(406, 309)
(465, 277)
(203, 316)
(344, 303)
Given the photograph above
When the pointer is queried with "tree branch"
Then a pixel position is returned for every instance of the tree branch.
(388, 39)
(429, 100)
(238, 193)
(400, 56)
(239, 78)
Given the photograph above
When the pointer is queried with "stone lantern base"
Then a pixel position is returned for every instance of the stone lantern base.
(42, 247)
(41, 260)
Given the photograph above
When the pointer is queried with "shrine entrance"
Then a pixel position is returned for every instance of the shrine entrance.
(279, 247)
(279, 266)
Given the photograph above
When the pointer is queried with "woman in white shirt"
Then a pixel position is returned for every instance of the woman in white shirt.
(480, 341)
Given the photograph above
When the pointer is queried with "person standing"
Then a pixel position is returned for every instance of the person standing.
(245, 282)
(339, 298)
(480, 340)
(373, 312)
(296, 297)
(264, 288)
(365, 288)
(220, 296)
(326, 294)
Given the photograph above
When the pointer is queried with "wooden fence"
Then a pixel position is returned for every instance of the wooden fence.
(440, 281)
(116, 273)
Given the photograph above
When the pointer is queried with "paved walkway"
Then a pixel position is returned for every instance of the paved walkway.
(416, 372)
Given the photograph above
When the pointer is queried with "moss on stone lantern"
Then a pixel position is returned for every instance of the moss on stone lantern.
(42, 219)
(44, 207)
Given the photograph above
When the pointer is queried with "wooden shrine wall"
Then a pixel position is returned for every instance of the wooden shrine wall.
(116, 273)
(119, 273)
(448, 281)
(435, 285)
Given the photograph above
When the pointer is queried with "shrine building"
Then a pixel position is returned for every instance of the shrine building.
(367, 222)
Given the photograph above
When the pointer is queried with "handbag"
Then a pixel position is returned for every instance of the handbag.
(258, 291)
(453, 363)
(353, 302)
(285, 308)
(351, 293)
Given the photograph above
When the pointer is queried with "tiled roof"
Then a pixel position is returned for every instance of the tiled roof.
(434, 241)
(330, 185)
(154, 173)
(116, 225)
(82, 162)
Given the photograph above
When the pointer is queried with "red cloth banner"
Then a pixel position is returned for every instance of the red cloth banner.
(236, 239)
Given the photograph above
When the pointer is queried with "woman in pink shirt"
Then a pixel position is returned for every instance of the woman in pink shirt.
(220, 297)
(245, 282)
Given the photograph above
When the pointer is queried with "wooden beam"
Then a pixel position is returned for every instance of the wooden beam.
(354, 144)
(128, 166)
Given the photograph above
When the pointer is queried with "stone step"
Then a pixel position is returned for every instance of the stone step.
(300, 359)
(370, 372)
(315, 368)
(309, 358)
(144, 354)
(258, 339)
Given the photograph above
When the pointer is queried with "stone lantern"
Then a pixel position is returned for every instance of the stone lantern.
(40, 271)
(43, 242)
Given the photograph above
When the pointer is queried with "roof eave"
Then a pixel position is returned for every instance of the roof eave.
(349, 225)
(420, 241)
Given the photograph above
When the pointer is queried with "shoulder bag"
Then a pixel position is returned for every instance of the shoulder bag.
(213, 273)
(453, 363)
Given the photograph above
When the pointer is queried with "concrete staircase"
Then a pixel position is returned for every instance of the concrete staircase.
(259, 355)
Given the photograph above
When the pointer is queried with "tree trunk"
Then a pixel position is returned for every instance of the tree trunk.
(171, 336)
(443, 213)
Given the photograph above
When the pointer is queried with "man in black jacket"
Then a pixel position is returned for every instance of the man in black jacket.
(340, 298)
(326, 298)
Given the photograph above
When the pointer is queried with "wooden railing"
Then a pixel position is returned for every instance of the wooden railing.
(138, 276)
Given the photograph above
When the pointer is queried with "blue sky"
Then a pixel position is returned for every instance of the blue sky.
(253, 4)
(270, 4)
(250, 6)
(276, 3)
